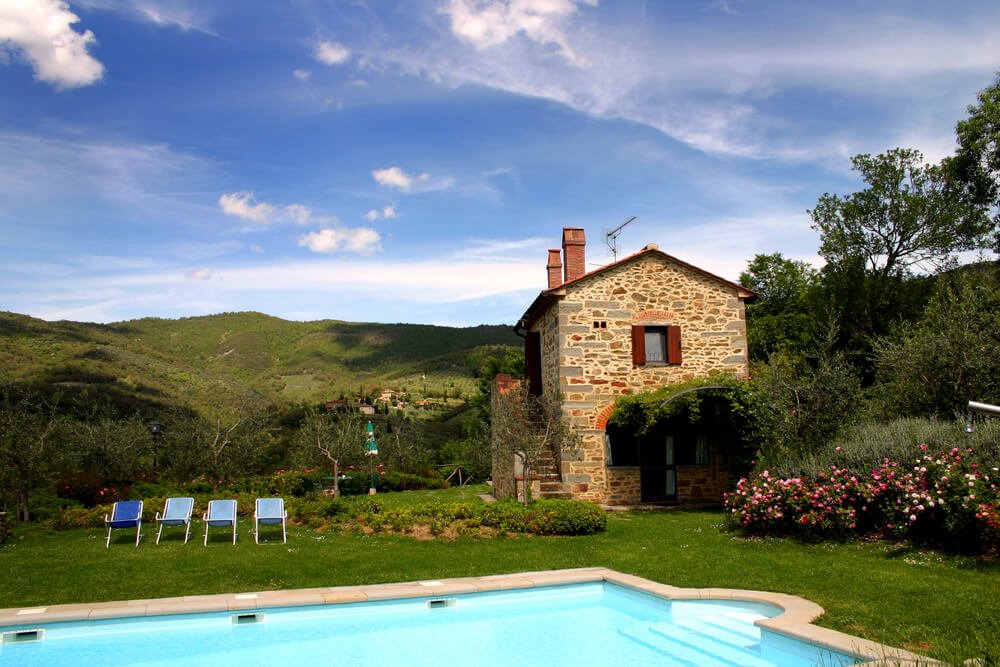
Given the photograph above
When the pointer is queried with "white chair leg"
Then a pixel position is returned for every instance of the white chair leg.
(234, 532)
(187, 531)
(206, 533)
(158, 533)
(107, 542)
(284, 535)
(138, 532)
(256, 532)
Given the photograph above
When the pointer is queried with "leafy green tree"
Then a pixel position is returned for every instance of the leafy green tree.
(782, 316)
(328, 438)
(906, 219)
(800, 403)
(975, 166)
(111, 448)
(933, 367)
(30, 445)
(527, 429)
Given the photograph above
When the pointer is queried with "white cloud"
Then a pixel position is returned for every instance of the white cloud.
(360, 240)
(394, 177)
(331, 53)
(300, 214)
(387, 213)
(489, 23)
(40, 30)
(200, 274)
(241, 205)
(185, 15)
(301, 74)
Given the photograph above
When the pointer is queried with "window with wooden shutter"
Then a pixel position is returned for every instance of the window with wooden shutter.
(673, 345)
(639, 345)
(656, 345)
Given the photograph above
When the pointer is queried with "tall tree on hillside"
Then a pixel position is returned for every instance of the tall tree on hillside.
(975, 167)
(907, 219)
(781, 317)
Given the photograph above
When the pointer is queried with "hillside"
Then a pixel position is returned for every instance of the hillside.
(230, 357)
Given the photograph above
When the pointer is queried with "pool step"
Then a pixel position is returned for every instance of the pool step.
(687, 647)
(734, 633)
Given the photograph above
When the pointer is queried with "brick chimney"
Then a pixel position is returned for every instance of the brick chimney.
(555, 268)
(574, 253)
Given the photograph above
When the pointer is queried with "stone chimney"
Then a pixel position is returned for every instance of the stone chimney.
(555, 268)
(574, 253)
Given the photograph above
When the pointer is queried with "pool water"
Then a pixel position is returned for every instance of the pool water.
(573, 625)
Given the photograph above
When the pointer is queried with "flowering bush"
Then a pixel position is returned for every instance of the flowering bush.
(946, 497)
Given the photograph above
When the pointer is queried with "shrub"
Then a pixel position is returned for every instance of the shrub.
(401, 481)
(949, 498)
(567, 517)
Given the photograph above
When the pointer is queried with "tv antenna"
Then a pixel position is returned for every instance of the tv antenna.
(611, 238)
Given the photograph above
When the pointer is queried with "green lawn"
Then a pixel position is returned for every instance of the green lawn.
(916, 599)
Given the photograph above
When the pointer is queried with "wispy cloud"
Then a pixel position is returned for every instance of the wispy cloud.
(301, 74)
(243, 205)
(41, 31)
(185, 15)
(396, 178)
(360, 240)
(718, 91)
(491, 23)
(387, 213)
(331, 53)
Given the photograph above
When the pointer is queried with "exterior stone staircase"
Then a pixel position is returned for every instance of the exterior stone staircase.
(550, 482)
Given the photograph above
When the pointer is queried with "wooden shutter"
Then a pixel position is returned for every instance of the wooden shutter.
(533, 362)
(673, 345)
(639, 345)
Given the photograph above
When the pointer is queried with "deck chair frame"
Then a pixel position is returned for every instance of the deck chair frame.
(272, 519)
(211, 520)
(168, 520)
(116, 521)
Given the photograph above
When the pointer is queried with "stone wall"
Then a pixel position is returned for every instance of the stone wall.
(587, 343)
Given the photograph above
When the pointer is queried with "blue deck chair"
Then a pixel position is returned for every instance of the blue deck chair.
(125, 514)
(220, 513)
(269, 511)
(176, 512)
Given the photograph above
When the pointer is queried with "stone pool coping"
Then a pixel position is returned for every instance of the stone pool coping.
(795, 621)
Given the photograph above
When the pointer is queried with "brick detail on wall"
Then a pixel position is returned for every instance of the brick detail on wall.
(603, 417)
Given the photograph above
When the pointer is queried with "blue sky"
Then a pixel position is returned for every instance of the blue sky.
(412, 161)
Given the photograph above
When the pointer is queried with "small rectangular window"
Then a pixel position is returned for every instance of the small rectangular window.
(656, 345)
(600, 324)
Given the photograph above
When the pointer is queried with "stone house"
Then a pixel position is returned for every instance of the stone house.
(634, 325)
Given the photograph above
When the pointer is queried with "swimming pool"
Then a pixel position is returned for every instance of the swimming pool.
(595, 622)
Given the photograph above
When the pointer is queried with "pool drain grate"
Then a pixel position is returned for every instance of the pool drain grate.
(18, 636)
(440, 603)
(247, 619)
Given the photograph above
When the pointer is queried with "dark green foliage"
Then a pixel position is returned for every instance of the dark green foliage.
(719, 405)
(567, 517)
(933, 366)
(782, 316)
(799, 404)
(975, 167)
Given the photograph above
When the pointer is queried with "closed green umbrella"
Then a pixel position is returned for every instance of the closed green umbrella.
(371, 450)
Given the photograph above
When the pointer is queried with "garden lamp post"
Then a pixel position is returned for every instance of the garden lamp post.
(154, 429)
(371, 451)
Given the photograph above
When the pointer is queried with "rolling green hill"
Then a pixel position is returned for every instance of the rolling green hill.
(231, 357)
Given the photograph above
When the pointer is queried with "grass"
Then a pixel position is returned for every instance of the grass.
(922, 600)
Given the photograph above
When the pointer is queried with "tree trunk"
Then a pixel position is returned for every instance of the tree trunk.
(336, 479)
(22, 510)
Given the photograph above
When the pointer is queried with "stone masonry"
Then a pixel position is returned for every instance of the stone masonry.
(585, 328)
